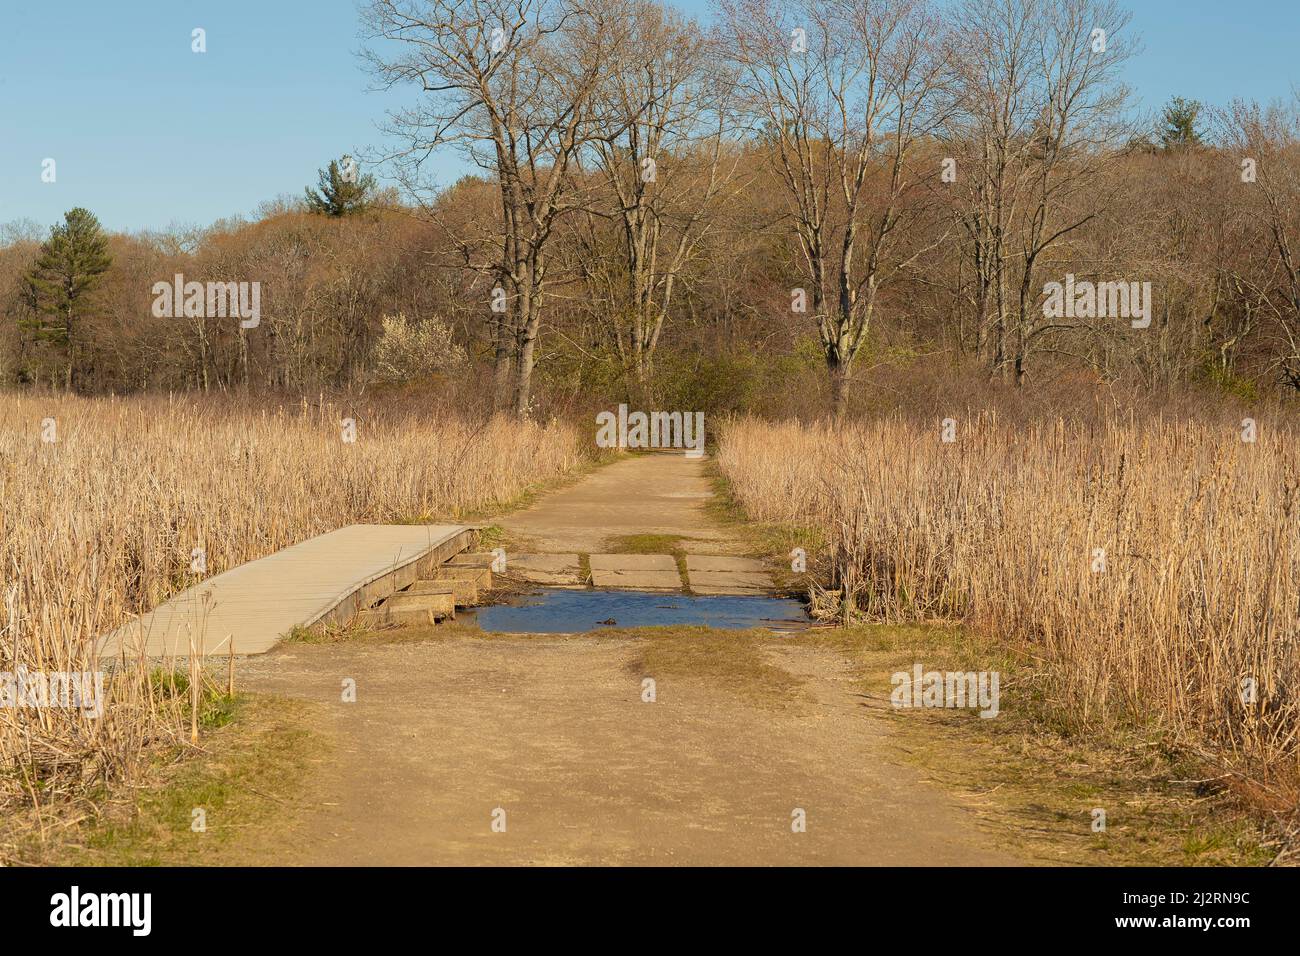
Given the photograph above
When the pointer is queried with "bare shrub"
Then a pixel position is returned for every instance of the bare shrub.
(408, 351)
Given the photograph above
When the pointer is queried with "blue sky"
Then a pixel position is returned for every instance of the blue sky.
(146, 133)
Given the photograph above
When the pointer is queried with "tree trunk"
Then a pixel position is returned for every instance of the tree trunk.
(70, 375)
(528, 322)
(839, 372)
(524, 380)
(502, 361)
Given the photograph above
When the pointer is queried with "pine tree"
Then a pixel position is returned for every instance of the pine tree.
(70, 264)
(1178, 124)
(341, 190)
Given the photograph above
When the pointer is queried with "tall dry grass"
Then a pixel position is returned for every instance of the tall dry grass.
(100, 525)
(1150, 566)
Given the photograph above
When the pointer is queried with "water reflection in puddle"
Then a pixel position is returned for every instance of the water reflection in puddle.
(561, 611)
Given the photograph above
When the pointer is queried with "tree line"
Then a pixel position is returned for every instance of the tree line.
(794, 183)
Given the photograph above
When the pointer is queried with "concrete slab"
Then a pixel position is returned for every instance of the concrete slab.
(473, 559)
(636, 572)
(410, 609)
(431, 606)
(728, 582)
(481, 578)
(637, 580)
(555, 569)
(465, 592)
(718, 562)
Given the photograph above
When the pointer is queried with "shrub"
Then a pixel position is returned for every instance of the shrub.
(407, 351)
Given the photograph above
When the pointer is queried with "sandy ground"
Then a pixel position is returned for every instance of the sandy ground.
(555, 733)
(662, 493)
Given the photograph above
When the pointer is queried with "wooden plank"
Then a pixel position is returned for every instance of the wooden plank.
(326, 579)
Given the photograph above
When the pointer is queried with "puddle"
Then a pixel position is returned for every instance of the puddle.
(561, 611)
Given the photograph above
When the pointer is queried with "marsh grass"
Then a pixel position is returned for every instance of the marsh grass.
(1001, 530)
(102, 524)
(247, 778)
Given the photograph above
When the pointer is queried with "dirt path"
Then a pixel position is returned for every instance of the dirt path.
(555, 733)
(742, 734)
(661, 494)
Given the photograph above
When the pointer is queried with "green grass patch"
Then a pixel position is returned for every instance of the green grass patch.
(245, 780)
(735, 661)
(216, 707)
(645, 544)
(404, 634)
(310, 635)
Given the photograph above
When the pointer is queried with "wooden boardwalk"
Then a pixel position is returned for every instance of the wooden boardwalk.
(322, 580)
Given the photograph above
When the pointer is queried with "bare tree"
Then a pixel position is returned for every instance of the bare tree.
(1040, 119)
(511, 84)
(1265, 142)
(666, 163)
(843, 91)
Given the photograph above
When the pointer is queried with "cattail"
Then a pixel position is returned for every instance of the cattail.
(1149, 567)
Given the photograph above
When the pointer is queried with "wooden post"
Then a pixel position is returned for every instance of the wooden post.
(230, 666)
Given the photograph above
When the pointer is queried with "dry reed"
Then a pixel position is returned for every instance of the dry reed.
(1152, 567)
(102, 523)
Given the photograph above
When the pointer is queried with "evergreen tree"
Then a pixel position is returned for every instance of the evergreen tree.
(342, 189)
(70, 264)
(1178, 129)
